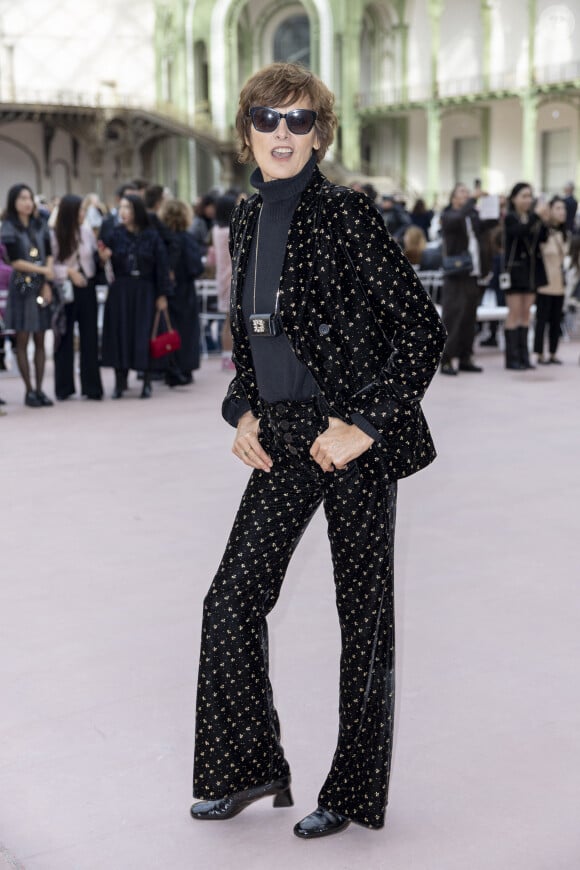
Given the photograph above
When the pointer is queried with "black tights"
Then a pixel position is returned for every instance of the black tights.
(22, 358)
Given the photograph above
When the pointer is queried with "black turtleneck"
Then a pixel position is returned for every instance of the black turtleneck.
(279, 373)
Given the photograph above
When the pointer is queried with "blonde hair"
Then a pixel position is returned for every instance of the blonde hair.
(280, 84)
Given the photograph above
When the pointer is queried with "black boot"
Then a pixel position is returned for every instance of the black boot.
(227, 807)
(120, 383)
(523, 348)
(512, 353)
(146, 391)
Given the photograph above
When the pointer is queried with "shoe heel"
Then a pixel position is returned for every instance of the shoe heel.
(284, 799)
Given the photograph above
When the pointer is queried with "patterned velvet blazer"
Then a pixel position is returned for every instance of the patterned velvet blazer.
(356, 316)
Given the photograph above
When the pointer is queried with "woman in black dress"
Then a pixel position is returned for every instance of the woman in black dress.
(28, 310)
(525, 232)
(183, 305)
(140, 267)
(75, 249)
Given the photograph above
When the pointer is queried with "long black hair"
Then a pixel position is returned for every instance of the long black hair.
(10, 212)
(140, 216)
(67, 228)
(560, 227)
(517, 188)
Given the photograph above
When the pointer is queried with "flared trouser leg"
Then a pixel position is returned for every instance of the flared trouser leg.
(237, 732)
(237, 738)
(361, 525)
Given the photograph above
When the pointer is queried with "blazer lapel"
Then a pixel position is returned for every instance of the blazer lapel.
(295, 281)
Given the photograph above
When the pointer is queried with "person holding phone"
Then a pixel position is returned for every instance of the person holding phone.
(28, 309)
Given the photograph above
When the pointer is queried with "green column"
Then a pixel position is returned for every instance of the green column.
(485, 146)
(435, 11)
(532, 18)
(433, 149)
(486, 10)
(350, 119)
(529, 135)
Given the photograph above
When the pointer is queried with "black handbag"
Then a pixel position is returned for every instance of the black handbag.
(458, 264)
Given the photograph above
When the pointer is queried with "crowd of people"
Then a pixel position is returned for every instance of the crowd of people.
(149, 249)
(527, 253)
(147, 252)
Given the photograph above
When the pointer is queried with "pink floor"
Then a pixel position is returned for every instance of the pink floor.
(113, 520)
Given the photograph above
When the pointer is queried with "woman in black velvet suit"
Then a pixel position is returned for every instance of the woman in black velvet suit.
(335, 343)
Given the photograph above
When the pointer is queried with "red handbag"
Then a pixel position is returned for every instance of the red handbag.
(165, 342)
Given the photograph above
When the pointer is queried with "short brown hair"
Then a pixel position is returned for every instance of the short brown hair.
(176, 215)
(280, 84)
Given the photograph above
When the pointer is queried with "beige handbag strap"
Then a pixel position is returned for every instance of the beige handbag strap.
(157, 321)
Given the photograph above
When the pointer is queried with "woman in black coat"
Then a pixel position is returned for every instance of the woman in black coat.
(335, 343)
(140, 286)
(28, 310)
(183, 305)
(525, 232)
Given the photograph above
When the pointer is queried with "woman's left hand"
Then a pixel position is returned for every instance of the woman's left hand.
(46, 294)
(339, 444)
(161, 303)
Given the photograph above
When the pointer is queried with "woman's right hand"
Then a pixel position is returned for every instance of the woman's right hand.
(77, 278)
(247, 446)
(104, 252)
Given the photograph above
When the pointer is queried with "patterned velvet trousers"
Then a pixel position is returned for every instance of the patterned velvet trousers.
(237, 743)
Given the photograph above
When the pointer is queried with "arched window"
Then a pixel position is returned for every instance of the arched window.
(292, 40)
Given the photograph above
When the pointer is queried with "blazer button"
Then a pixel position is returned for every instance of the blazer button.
(323, 329)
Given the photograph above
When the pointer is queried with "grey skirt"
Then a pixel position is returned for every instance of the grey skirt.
(23, 313)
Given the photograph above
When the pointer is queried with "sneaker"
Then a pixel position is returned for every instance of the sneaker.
(447, 369)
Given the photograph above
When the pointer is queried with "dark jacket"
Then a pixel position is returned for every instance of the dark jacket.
(454, 228)
(356, 316)
(523, 253)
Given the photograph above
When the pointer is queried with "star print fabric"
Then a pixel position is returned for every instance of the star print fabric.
(237, 728)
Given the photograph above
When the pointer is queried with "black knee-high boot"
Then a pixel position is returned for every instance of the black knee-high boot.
(512, 353)
(120, 383)
(147, 390)
(523, 348)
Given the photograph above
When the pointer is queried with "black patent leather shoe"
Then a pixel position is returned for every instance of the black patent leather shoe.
(230, 806)
(176, 379)
(44, 400)
(31, 400)
(469, 367)
(320, 823)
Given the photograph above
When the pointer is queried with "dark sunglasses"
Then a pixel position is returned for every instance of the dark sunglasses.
(299, 121)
